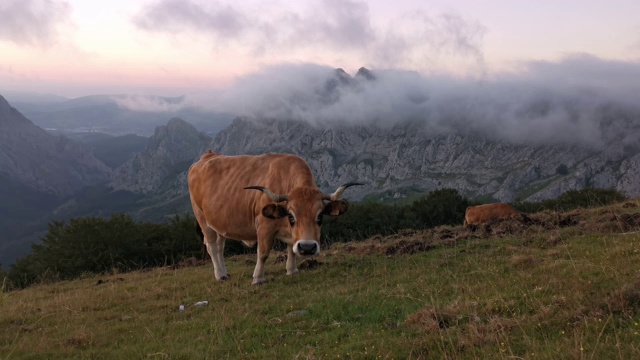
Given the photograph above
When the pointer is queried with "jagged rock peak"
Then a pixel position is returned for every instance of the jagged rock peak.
(178, 123)
(175, 128)
(170, 151)
(175, 125)
(342, 75)
(365, 73)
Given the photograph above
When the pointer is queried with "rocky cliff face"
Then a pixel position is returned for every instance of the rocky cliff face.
(406, 158)
(393, 162)
(162, 166)
(401, 134)
(32, 157)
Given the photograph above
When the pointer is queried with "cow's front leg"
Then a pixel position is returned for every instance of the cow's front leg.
(292, 268)
(264, 247)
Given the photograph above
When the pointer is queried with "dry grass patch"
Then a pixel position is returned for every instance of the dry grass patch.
(625, 300)
(524, 261)
(81, 338)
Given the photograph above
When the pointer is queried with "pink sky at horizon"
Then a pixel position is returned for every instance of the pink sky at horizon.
(169, 47)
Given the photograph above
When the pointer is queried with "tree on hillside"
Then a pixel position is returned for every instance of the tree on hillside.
(588, 197)
(440, 207)
(573, 199)
(3, 277)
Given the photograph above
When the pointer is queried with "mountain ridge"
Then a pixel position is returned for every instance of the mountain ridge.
(169, 152)
(395, 162)
(45, 162)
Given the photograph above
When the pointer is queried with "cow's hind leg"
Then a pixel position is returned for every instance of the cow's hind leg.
(220, 243)
(211, 242)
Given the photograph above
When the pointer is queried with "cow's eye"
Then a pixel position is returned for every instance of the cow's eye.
(292, 220)
(319, 219)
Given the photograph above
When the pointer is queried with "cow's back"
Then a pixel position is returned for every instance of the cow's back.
(475, 215)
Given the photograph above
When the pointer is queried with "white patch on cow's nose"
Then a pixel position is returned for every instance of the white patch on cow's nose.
(306, 248)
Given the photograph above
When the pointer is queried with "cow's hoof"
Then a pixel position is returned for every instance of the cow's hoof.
(292, 272)
(258, 281)
(223, 277)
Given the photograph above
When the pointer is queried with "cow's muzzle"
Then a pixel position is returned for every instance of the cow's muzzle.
(306, 248)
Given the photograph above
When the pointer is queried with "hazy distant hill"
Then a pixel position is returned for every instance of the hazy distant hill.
(118, 114)
(44, 99)
(161, 166)
(44, 162)
(37, 171)
(152, 184)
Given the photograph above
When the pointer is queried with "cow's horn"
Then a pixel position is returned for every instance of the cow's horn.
(336, 195)
(269, 193)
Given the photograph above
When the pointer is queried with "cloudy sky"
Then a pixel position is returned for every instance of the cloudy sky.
(172, 47)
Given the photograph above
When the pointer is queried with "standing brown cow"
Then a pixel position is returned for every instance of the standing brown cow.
(475, 215)
(287, 206)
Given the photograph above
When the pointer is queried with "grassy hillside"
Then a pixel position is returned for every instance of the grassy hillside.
(566, 287)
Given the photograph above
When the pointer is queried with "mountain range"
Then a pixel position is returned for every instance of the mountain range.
(37, 171)
(46, 177)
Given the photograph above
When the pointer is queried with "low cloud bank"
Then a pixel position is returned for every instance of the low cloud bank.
(579, 100)
(149, 103)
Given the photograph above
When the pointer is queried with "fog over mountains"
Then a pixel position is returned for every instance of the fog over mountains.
(554, 127)
(545, 103)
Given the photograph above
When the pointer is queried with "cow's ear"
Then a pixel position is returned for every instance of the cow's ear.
(273, 211)
(335, 208)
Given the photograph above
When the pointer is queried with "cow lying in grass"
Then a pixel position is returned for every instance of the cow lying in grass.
(476, 215)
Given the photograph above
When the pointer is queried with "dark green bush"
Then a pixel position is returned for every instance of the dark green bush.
(440, 207)
(94, 245)
(363, 220)
(573, 199)
(4, 277)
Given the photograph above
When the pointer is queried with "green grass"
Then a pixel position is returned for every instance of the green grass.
(525, 296)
